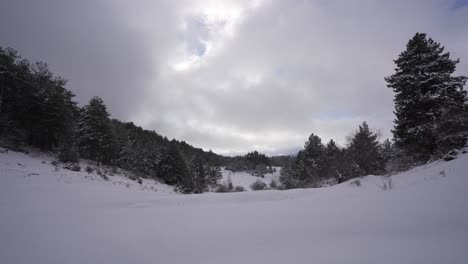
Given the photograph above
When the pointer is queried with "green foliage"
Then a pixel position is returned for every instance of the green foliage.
(68, 152)
(254, 162)
(95, 135)
(173, 169)
(364, 150)
(430, 104)
(35, 107)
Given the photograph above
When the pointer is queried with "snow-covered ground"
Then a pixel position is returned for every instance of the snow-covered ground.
(47, 217)
(38, 168)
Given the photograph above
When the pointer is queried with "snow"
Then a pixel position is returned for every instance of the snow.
(62, 217)
(246, 179)
(37, 168)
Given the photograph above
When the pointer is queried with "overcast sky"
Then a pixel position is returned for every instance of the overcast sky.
(234, 76)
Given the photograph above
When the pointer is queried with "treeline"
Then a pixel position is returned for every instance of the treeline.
(318, 163)
(431, 123)
(255, 163)
(37, 110)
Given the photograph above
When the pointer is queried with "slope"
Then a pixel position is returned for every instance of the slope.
(423, 219)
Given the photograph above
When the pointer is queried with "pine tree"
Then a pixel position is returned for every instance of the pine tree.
(429, 102)
(313, 158)
(387, 152)
(199, 174)
(332, 160)
(308, 166)
(364, 150)
(173, 169)
(95, 136)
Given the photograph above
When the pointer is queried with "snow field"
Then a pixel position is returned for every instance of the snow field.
(54, 218)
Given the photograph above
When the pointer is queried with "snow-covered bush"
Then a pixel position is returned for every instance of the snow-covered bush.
(104, 176)
(89, 169)
(72, 166)
(258, 185)
(356, 183)
(273, 184)
(222, 188)
(239, 188)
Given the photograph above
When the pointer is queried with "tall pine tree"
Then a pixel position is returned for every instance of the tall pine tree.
(332, 160)
(430, 104)
(173, 169)
(95, 135)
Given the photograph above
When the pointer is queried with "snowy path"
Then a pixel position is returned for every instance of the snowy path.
(423, 220)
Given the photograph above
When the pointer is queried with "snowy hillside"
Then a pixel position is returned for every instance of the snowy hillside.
(52, 216)
(39, 168)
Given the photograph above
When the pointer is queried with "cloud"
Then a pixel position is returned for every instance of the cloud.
(235, 76)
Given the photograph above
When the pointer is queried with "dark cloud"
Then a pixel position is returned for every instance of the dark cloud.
(234, 76)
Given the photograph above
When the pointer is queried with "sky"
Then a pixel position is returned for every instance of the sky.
(234, 76)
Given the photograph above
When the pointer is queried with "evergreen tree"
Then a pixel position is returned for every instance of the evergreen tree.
(68, 151)
(388, 153)
(173, 169)
(313, 158)
(199, 174)
(95, 136)
(307, 168)
(430, 104)
(332, 160)
(35, 107)
(289, 176)
(364, 150)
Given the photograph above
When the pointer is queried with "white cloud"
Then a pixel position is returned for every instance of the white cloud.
(234, 76)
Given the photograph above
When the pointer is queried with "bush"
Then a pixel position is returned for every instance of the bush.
(222, 189)
(89, 169)
(239, 188)
(451, 155)
(258, 186)
(273, 184)
(104, 176)
(356, 182)
(230, 186)
(140, 181)
(72, 166)
(133, 177)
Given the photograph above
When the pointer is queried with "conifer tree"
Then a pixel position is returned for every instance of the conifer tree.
(199, 174)
(313, 158)
(173, 169)
(332, 160)
(430, 104)
(95, 136)
(364, 150)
